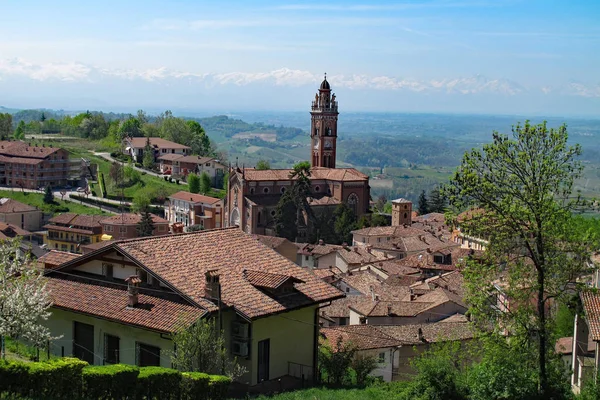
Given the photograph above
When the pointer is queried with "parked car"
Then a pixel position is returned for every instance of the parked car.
(81, 189)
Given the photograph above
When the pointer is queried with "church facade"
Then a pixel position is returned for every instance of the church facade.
(253, 194)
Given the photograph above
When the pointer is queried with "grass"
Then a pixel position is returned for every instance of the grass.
(19, 351)
(37, 200)
(375, 392)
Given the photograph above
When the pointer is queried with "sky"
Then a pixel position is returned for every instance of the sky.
(480, 56)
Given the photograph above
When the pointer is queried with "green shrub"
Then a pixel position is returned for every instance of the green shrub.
(158, 383)
(14, 377)
(194, 386)
(102, 184)
(218, 387)
(110, 381)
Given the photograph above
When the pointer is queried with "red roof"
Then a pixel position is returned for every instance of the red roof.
(140, 142)
(194, 198)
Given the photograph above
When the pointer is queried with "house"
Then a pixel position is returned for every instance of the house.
(190, 209)
(22, 215)
(586, 336)
(253, 194)
(394, 347)
(31, 167)
(466, 239)
(134, 147)
(280, 245)
(319, 255)
(124, 226)
(178, 165)
(122, 302)
(68, 231)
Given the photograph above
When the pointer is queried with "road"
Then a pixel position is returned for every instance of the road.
(108, 157)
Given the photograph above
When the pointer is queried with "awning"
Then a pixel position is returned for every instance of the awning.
(106, 237)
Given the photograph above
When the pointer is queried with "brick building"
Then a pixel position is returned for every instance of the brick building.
(32, 167)
(254, 194)
(124, 226)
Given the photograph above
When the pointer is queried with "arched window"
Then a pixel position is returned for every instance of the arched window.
(282, 190)
(235, 217)
(317, 188)
(251, 190)
(353, 203)
(405, 215)
(266, 190)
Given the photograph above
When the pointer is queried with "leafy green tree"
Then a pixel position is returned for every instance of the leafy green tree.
(20, 131)
(146, 225)
(524, 186)
(6, 128)
(344, 223)
(262, 165)
(141, 201)
(205, 183)
(363, 365)
(423, 204)
(335, 361)
(286, 217)
(130, 128)
(148, 159)
(438, 202)
(193, 183)
(199, 140)
(48, 195)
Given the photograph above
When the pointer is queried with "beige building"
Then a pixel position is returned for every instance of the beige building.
(134, 147)
(188, 209)
(401, 212)
(143, 289)
(178, 165)
(22, 215)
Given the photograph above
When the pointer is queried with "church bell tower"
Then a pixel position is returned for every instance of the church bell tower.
(323, 127)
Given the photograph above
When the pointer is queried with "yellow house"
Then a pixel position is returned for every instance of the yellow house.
(267, 305)
(67, 232)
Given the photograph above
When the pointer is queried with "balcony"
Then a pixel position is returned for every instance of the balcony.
(332, 107)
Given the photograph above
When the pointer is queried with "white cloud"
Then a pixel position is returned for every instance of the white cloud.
(288, 77)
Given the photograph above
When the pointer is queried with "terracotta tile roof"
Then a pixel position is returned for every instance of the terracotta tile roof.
(79, 220)
(440, 296)
(452, 281)
(359, 255)
(194, 198)
(430, 333)
(413, 244)
(267, 280)
(12, 206)
(271, 241)
(455, 318)
(341, 308)
(402, 280)
(169, 157)
(591, 306)
(399, 308)
(22, 149)
(363, 337)
(54, 258)
(327, 272)
(391, 231)
(108, 303)
(182, 261)
(425, 260)
(8, 231)
(88, 248)
(21, 160)
(139, 142)
(317, 173)
(394, 267)
(318, 250)
(131, 219)
(564, 345)
(195, 159)
(431, 217)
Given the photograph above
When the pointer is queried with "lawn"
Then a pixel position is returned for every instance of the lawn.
(37, 200)
(375, 392)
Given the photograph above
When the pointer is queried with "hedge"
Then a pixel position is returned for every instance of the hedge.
(102, 184)
(110, 381)
(158, 383)
(71, 378)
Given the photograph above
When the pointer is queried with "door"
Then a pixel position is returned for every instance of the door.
(264, 353)
(83, 341)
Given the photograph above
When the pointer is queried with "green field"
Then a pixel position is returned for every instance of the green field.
(375, 392)
(37, 200)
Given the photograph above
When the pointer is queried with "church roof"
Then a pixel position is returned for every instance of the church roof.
(317, 173)
(325, 85)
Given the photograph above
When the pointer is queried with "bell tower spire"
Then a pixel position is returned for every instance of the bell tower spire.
(323, 127)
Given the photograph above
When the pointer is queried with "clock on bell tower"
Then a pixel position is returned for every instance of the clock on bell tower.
(323, 129)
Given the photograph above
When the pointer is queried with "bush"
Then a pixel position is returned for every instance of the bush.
(102, 184)
(110, 382)
(218, 387)
(158, 383)
(194, 385)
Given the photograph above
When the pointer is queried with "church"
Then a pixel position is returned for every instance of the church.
(253, 194)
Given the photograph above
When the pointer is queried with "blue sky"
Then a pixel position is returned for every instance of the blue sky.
(520, 52)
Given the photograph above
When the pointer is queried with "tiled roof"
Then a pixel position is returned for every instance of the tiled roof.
(439, 296)
(591, 306)
(139, 142)
(452, 281)
(12, 206)
(194, 198)
(87, 248)
(393, 267)
(267, 280)
(54, 258)
(317, 173)
(80, 220)
(195, 159)
(398, 308)
(10, 231)
(564, 345)
(170, 157)
(152, 312)
(270, 241)
(68, 229)
(430, 333)
(413, 244)
(341, 308)
(363, 337)
(455, 318)
(318, 250)
(391, 231)
(131, 219)
(327, 272)
(22, 149)
(183, 260)
(401, 200)
(359, 255)
(21, 160)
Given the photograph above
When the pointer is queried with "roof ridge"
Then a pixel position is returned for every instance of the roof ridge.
(142, 239)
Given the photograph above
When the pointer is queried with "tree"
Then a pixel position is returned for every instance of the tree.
(193, 183)
(205, 183)
(286, 217)
(336, 360)
(141, 201)
(148, 159)
(20, 131)
(437, 201)
(201, 348)
(146, 225)
(423, 204)
(344, 223)
(130, 128)
(199, 141)
(5, 125)
(262, 165)
(381, 202)
(116, 174)
(48, 195)
(523, 185)
(363, 366)
(24, 301)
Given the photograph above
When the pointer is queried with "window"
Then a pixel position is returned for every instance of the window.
(362, 320)
(251, 190)
(108, 228)
(353, 203)
(111, 349)
(438, 259)
(146, 355)
(282, 190)
(305, 258)
(381, 358)
(107, 270)
(122, 229)
(266, 190)
(343, 321)
(207, 164)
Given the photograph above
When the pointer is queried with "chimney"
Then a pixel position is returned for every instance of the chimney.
(321, 242)
(373, 297)
(389, 309)
(412, 295)
(132, 290)
(420, 335)
(369, 249)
